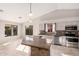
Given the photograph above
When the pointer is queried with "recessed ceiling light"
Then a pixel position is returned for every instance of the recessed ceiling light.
(1, 10)
(20, 17)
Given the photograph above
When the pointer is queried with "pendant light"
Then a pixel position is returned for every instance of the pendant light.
(30, 13)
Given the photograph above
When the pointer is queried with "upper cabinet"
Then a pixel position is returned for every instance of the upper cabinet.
(61, 25)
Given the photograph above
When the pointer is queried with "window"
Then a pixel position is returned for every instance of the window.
(50, 27)
(10, 30)
(29, 30)
(54, 27)
(14, 30)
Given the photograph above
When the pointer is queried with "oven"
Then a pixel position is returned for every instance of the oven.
(72, 42)
(71, 27)
(71, 37)
(71, 33)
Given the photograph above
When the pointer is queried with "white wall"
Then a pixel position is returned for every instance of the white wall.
(2, 31)
(35, 24)
(60, 23)
(67, 21)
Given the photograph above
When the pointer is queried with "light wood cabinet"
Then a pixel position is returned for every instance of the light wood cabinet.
(39, 52)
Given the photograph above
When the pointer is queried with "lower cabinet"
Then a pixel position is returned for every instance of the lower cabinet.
(39, 51)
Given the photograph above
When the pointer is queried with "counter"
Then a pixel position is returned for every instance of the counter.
(39, 47)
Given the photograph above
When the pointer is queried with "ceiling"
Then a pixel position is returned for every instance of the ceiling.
(60, 13)
(18, 12)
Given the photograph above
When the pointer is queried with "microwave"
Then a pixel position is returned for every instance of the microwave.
(70, 27)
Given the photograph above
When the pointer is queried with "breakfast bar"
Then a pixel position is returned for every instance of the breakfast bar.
(39, 47)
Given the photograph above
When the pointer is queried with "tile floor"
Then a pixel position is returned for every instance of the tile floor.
(63, 51)
(10, 49)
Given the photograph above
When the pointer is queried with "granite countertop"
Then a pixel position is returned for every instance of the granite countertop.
(40, 43)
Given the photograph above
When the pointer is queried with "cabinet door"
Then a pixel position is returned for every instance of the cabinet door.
(34, 51)
(44, 52)
(39, 51)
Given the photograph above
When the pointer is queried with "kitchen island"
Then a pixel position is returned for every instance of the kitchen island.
(39, 47)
